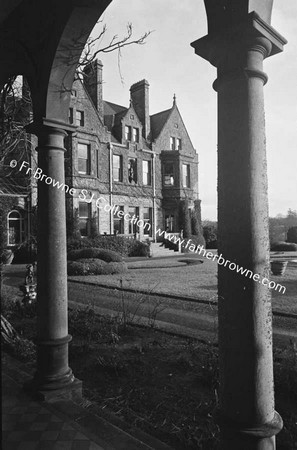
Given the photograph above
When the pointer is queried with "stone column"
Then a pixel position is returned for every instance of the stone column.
(247, 418)
(53, 375)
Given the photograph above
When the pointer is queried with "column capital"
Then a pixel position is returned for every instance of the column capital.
(39, 126)
(229, 46)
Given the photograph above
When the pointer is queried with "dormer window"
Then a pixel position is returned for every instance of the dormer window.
(135, 134)
(127, 133)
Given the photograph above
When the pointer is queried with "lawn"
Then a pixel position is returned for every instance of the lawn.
(170, 276)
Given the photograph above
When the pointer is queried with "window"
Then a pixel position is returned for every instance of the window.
(175, 143)
(147, 219)
(14, 228)
(134, 215)
(146, 173)
(83, 159)
(127, 133)
(168, 175)
(132, 170)
(186, 175)
(84, 214)
(79, 118)
(135, 134)
(73, 93)
(118, 222)
(70, 115)
(117, 167)
(172, 143)
(169, 222)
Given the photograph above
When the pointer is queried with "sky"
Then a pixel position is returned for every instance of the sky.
(170, 65)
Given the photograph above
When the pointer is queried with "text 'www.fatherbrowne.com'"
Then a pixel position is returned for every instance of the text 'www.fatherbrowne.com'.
(198, 249)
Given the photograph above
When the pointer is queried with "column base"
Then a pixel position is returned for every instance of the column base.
(53, 377)
(47, 392)
(249, 437)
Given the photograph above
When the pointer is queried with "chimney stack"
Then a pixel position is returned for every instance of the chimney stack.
(140, 100)
(93, 84)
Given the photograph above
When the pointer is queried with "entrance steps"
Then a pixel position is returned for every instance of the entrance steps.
(158, 250)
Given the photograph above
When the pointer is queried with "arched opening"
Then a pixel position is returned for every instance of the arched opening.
(15, 228)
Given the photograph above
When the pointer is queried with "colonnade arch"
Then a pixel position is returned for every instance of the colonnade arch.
(36, 38)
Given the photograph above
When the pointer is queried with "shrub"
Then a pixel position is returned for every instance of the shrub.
(184, 218)
(196, 218)
(95, 267)
(72, 223)
(138, 248)
(93, 226)
(95, 253)
(284, 247)
(292, 235)
(210, 236)
(120, 244)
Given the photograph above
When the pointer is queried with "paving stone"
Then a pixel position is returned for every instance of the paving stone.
(31, 425)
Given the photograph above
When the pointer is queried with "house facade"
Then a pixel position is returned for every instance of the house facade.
(128, 170)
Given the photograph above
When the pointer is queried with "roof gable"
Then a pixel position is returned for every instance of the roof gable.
(110, 109)
(158, 121)
(171, 124)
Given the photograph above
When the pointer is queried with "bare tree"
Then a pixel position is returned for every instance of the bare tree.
(95, 46)
(15, 114)
(16, 104)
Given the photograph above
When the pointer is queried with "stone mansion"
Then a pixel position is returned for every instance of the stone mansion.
(118, 159)
(124, 159)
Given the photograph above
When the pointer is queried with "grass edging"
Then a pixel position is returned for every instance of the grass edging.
(175, 297)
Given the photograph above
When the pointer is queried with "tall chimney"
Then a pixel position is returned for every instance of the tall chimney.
(140, 101)
(93, 84)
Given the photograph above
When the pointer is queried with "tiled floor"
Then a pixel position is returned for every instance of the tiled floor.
(30, 425)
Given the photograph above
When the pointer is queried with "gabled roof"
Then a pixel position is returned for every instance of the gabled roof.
(110, 109)
(158, 121)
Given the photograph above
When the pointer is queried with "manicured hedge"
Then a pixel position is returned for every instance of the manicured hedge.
(284, 247)
(119, 244)
(95, 267)
(138, 248)
(97, 253)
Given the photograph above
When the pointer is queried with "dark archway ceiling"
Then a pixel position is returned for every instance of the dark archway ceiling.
(36, 39)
